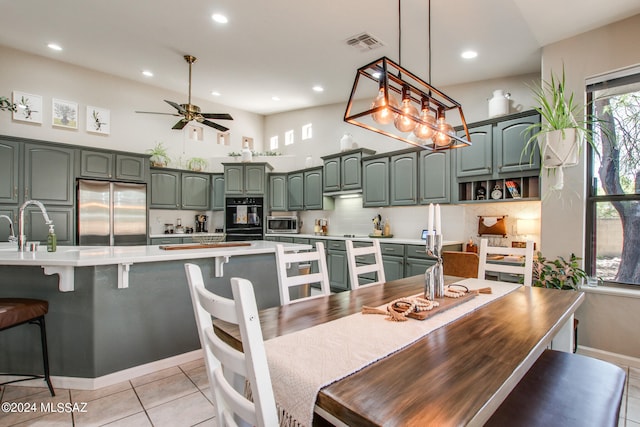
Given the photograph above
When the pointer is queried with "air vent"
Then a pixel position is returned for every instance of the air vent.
(364, 42)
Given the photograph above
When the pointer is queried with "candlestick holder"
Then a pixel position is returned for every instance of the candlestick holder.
(434, 275)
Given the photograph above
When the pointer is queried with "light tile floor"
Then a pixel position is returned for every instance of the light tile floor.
(174, 397)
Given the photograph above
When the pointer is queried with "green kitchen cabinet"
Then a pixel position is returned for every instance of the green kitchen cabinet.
(476, 159)
(49, 174)
(343, 172)
(9, 172)
(217, 192)
(295, 191)
(416, 266)
(196, 190)
(337, 265)
(434, 177)
(313, 198)
(63, 219)
(245, 178)
(105, 165)
(510, 139)
(375, 177)
(278, 192)
(165, 189)
(393, 260)
(403, 169)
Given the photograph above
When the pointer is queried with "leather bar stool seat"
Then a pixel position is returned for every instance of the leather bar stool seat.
(564, 389)
(18, 311)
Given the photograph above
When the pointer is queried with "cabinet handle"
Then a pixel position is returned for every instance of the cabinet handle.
(15, 192)
(26, 194)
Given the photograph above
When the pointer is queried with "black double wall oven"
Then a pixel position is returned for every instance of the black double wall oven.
(244, 218)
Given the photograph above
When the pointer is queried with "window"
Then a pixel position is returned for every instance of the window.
(613, 202)
(273, 143)
(288, 137)
(307, 131)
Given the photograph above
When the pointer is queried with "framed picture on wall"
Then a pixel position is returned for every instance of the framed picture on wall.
(29, 107)
(98, 120)
(64, 114)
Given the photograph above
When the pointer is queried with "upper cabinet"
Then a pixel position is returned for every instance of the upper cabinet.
(171, 189)
(434, 177)
(9, 171)
(245, 178)
(343, 171)
(217, 192)
(49, 174)
(97, 164)
(375, 177)
(304, 191)
(278, 192)
(403, 170)
(496, 167)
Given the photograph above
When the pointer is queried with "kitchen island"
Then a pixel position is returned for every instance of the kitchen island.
(100, 327)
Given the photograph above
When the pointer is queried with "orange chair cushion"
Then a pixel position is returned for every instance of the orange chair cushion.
(14, 311)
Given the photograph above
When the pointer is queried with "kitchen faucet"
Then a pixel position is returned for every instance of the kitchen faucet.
(22, 237)
(12, 237)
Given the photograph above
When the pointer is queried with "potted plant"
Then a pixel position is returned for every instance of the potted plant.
(559, 273)
(559, 135)
(159, 156)
(197, 164)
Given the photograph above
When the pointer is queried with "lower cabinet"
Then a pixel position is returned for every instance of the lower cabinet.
(337, 265)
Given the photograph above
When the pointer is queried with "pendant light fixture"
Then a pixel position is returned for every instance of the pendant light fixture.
(421, 118)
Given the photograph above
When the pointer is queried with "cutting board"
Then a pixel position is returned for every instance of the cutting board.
(201, 246)
(445, 304)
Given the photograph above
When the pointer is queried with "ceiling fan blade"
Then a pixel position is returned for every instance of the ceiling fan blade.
(223, 116)
(176, 106)
(181, 124)
(213, 125)
(154, 112)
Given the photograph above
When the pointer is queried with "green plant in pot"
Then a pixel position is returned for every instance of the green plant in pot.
(159, 156)
(558, 137)
(559, 273)
(197, 164)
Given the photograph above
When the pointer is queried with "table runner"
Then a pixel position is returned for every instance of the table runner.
(302, 363)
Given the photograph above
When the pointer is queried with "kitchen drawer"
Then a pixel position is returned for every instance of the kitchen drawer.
(416, 251)
(286, 239)
(171, 240)
(336, 245)
(394, 249)
(301, 240)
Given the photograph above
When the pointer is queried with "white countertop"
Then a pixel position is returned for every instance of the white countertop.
(398, 240)
(82, 256)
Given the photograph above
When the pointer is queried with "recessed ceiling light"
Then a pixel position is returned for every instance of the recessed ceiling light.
(318, 88)
(275, 98)
(469, 54)
(215, 93)
(54, 46)
(147, 73)
(220, 19)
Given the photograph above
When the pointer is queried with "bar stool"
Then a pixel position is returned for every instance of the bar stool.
(18, 311)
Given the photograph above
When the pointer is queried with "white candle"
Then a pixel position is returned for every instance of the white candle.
(438, 220)
(430, 218)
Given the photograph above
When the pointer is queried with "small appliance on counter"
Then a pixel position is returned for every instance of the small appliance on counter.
(282, 224)
(168, 229)
(321, 227)
(201, 223)
(179, 227)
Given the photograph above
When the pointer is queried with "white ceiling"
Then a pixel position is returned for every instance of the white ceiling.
(284, 47)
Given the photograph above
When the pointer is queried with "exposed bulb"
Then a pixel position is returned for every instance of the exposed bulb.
(442, 138)
(404, 122)
(385, 115)
(425, 132)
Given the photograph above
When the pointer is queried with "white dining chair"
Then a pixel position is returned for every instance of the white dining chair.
(525, 269)
(355, 270)
(287, 259)
(223, 361)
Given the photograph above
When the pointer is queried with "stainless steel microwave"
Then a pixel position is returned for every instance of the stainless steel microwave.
(282, 224)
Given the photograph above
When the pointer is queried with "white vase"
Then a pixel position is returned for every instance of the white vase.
(346, 142)
(247, 155)
(499, 104)
(560, 148)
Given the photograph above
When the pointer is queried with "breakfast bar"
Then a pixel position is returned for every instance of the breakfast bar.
(97, 327)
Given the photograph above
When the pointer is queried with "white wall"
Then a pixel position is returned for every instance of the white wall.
(129, 131)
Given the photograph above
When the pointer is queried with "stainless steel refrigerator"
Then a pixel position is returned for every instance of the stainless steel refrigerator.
(111, 213)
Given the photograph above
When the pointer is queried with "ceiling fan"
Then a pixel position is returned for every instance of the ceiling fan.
(191, 112)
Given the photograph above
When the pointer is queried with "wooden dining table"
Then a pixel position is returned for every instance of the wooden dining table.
(456, 375)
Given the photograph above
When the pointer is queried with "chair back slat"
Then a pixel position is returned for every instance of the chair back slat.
(287, 261)
(355, 270)
(525, 269)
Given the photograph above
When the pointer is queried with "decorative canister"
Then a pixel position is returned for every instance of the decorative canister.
(346, 142)
(499, 104)
(247, 155)
(308, 162)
